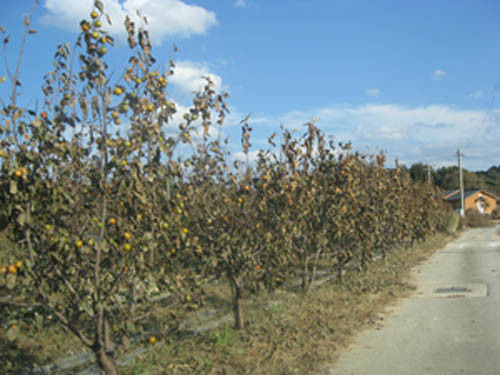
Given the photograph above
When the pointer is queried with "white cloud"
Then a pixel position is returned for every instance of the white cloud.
(438, 75)
(253, 156)
(165, 17)
(259, 120)
(411, 134)
(240, 3)
(476, 94)
(373, 92)
(424, 124)
(430, 134)
(188, 77)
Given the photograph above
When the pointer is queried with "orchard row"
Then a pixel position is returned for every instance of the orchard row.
(106, 208)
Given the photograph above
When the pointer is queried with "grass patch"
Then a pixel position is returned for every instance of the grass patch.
(286, 332)
(35, 347)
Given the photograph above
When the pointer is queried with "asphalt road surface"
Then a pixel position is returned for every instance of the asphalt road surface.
(449, 326)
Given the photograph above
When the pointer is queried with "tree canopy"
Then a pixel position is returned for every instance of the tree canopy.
(447, 177)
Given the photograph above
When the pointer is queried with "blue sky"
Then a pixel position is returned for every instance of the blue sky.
(417, 79)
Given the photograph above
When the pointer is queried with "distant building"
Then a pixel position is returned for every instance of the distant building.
(478, 200)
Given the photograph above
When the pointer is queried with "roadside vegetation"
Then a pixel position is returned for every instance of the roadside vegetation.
(118, 224)
(475, 219)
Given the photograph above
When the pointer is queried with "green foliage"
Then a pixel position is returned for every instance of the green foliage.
(419, 172)
(447, 178)
(225, 337)
(492, 179)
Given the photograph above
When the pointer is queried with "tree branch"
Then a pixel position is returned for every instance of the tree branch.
(84, 339)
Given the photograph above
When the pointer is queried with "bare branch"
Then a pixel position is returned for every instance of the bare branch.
(14, 78)
(83, 338)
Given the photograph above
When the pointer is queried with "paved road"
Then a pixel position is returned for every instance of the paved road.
(451, 324)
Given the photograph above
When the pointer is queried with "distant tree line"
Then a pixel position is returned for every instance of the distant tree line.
(447, 177)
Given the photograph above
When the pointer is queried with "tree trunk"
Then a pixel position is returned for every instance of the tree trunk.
(363, 262)
(315, 265)
(305, 276)
(101, 349)
(107, 337)
(313, 274)
(151, 260)
(104, 361)
(307, 279)
(237, 303)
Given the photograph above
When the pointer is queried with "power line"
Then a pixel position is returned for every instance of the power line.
(492, 97)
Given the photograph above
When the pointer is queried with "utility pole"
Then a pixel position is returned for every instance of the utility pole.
(460, 176)
(429, 173)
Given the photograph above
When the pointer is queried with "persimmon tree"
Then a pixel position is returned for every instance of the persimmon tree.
(238, 234)
(90, 180)
(305, 196)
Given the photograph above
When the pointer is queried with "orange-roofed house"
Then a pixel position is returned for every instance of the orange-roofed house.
(478, 200)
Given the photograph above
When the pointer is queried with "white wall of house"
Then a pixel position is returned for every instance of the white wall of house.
(480, 204)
